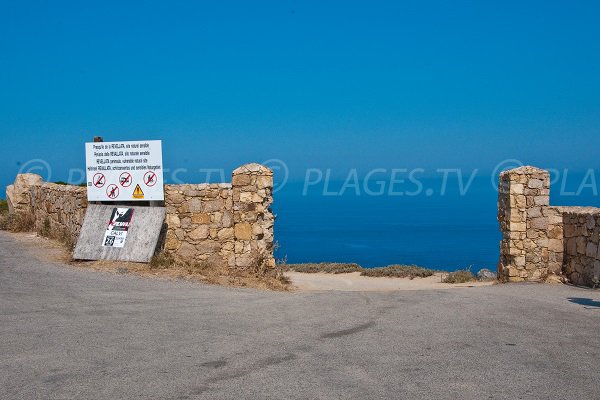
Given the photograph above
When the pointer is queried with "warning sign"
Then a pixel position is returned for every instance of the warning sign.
(116, 231)
(124, 170)
(137, 192)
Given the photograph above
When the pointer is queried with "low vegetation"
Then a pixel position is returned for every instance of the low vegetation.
(328, 268)
(82, 184)
(395, 271)
(16, 222)
(399, 271)
(460, 276)
(213, 271)
(21, 222)
(62, 235)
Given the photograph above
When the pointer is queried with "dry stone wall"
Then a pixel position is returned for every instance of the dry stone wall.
(227, 223)
(199, 222)
(60, 207)
(57, 208)
(582, 253)
(539, 240)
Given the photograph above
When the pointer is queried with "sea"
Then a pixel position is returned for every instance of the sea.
(443, 225)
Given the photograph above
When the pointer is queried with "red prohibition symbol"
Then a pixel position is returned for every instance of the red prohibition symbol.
(125, 179)
(150, 178)
(112, 191)
(98, 180)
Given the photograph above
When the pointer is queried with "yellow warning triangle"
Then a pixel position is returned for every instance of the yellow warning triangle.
(137, 192)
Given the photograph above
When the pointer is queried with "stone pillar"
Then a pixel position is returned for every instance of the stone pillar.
(252, 186)
(523, 203)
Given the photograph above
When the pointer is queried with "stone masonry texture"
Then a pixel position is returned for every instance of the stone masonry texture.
(539, 240)
(226, 223)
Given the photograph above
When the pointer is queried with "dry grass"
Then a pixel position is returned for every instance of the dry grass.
(328, 268)
(398, 271)
(460, 276)
(213, 271)
(161, 261)
(17, 222)
(392, 271)
(63, 236)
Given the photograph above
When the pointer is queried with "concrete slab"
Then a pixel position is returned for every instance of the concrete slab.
(142, 234)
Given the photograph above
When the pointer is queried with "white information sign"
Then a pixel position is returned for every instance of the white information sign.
(124, 171)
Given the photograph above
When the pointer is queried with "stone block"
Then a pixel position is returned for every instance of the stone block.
(541, 200)
(264, 182)
(187, 251)
(227, 219)
(195, 205)
(591, 249)
(241, 180)
(201, 232)
(516, 188)
(535, 184)
(213, 205)
(534, 212)
(519, 261)
(581, 244)
(226, 234)
(518, 226)
(201, 218)
(244, 261)
(173, 221)
(243, 231)
(555, 245)
(539, 223)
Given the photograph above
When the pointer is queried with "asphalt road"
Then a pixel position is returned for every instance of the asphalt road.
(68, 333)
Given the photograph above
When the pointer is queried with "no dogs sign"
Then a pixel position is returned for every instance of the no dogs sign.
(124, 171)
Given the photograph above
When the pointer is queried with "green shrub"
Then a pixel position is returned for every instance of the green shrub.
(46, 228)
(460, 276)
(3, 206)
(82, 184)
(398, 271)
(328, 268)
(392, 271)
(161, 261)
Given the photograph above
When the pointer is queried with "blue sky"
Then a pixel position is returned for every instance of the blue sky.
(318, 84)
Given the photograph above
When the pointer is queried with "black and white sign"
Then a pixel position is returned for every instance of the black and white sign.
(124, 171)
(116, 231)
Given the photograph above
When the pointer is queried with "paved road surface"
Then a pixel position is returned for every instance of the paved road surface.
(68, 333)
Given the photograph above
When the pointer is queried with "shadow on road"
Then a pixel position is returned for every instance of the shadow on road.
(585, 302)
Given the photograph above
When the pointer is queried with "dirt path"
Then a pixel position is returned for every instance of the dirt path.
(354, 282)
